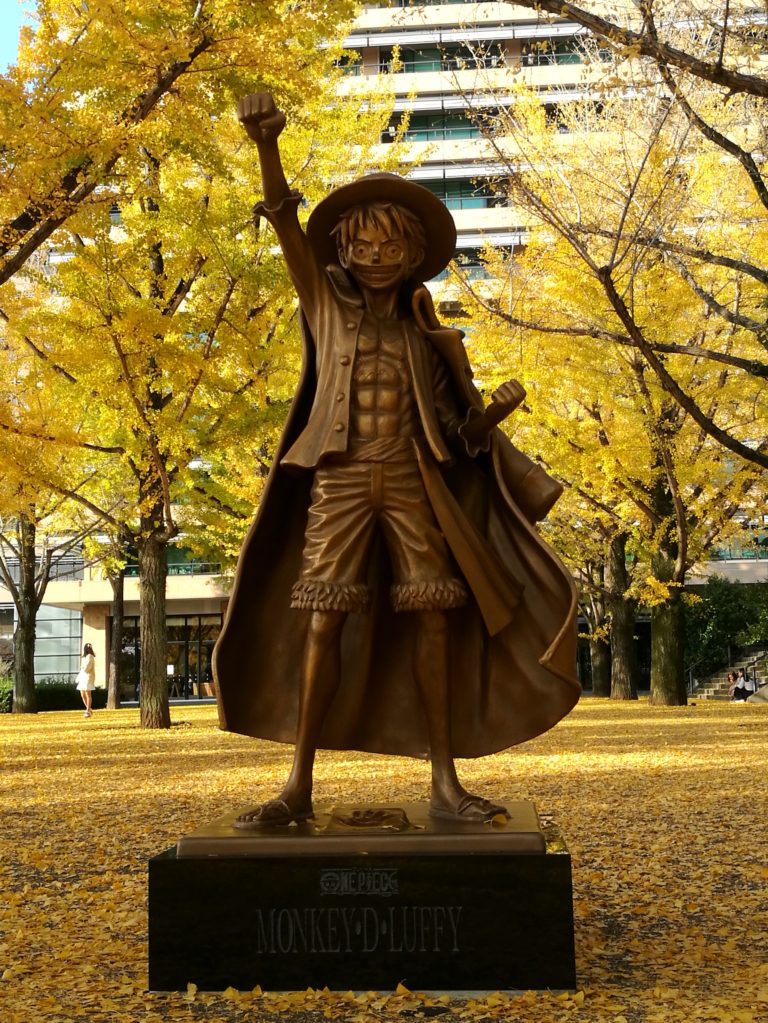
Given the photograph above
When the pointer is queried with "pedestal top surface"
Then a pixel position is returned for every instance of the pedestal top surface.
(405, 829)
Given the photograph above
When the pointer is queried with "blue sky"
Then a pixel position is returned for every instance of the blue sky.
(11, 17)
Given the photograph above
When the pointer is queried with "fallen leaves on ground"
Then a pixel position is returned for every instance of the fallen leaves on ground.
(664, 811)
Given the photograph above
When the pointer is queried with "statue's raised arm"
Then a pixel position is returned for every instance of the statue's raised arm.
(264, 123)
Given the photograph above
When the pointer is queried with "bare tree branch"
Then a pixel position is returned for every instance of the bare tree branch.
(65, 441)
(644, 44)
(745, 159)
(652, 241)
(41, 354)
(751, 366)
(208, 347)
(182, 289)
(739, 320)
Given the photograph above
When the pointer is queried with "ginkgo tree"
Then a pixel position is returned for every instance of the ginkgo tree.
(167, 314)
(623, 444)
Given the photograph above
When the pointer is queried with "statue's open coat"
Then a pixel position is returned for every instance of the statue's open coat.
(513, 648)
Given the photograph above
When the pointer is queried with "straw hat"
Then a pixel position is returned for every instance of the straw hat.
(439, 227)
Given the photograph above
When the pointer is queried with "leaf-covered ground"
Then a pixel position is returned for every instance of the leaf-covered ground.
(664, 811)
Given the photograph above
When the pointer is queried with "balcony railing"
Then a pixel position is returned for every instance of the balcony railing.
(61, 568)
(185, 568)
(426, 3)
(446, 63)
(735, 552)
(541, 58)
(471, 131)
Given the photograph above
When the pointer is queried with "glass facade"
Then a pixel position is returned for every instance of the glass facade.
(58, 641)
(188, 653)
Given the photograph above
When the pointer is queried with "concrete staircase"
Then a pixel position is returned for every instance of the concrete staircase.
(715, 686)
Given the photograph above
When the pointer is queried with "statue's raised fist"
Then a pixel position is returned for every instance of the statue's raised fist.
(260, 117)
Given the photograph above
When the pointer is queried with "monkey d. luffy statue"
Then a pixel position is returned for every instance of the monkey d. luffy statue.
(392, 595)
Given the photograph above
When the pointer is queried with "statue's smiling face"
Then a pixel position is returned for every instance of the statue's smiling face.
(377, 261)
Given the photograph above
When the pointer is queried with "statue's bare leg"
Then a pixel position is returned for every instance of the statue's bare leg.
(321, 674)
(449, 798)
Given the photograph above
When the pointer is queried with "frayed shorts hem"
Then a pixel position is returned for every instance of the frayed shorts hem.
(419, 595)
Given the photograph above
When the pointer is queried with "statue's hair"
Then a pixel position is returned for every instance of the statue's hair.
(395, 220)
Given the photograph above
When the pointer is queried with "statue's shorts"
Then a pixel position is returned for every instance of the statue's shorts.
(351, 502)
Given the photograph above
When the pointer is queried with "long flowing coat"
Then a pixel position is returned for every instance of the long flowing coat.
(513, 647)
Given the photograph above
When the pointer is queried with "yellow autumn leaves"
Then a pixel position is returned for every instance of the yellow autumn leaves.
(663, 810)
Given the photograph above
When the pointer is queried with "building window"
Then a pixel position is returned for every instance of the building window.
(750, 548)
(350, 64)
(6, 622)
(189, 654)
(463, 57)
(464, 194)
(428, 3)
(433, 127)
(470, 264)
(429, 58)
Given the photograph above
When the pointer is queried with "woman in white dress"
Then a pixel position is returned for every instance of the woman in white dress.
(86, 678)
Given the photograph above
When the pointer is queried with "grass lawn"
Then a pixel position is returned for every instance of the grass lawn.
(664, 811)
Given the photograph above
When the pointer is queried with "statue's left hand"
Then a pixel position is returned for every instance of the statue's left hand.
(479, 426)
(505, 399)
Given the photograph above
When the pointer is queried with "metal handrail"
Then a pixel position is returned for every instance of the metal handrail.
(692, 682)
(729, 662)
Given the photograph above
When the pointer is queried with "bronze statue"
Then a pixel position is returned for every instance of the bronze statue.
(430, 619)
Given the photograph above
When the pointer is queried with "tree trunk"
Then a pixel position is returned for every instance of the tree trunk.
(114, 677)
(153, 702)
(624, 671)
(599, 644)
(668, 645)
(24, 699)
(600, 656)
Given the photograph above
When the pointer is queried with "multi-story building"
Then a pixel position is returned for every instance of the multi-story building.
(448, 62)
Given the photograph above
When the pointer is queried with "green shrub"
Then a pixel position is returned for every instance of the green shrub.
(6, 694)
(52, 692)
(58, 692)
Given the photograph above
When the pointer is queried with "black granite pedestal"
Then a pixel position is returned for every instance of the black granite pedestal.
(346, 903)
